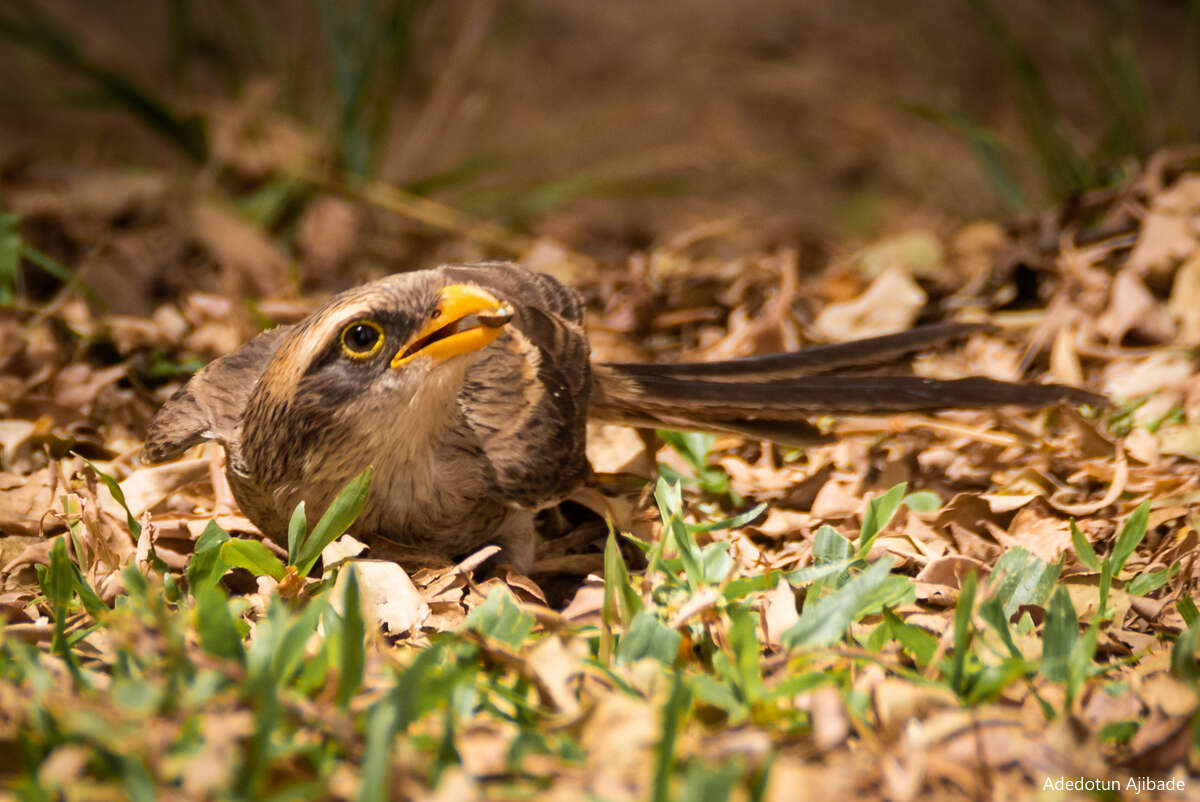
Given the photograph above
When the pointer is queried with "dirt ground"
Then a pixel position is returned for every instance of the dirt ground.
(793, 122)
(717, 180)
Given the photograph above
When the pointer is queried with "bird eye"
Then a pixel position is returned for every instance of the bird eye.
(362, 339)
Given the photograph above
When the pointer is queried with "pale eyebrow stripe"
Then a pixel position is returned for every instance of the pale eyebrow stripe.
(314, 334)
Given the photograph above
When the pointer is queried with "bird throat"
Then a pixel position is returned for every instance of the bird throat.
(402, 439)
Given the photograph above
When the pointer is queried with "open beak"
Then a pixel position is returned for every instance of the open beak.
(467, 318)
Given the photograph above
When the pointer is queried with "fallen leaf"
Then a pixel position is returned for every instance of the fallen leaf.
(891, 303)
(252, 258)
(779, 612)
(616, 449)
(1168, 233)
(1045, 536)
(1131, 308)
(618, 767)
(588, 600)
(915, 253)
(78, 385)
(25, 502)
(1184, 302)
(839, 498)
(830, 721)
(951, 570)
(327, 233)
(555, 666)
(147, 486)
(389, 598)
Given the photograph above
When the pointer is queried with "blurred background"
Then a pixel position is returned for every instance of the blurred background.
(149, 144)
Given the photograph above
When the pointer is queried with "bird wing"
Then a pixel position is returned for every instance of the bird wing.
(526, 398)
(209, 406)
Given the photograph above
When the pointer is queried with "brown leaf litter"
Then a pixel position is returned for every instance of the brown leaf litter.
(1115, 312)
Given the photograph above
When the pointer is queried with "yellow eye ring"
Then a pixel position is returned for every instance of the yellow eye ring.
(362, 339)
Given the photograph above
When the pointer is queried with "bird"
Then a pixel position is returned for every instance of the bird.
(468, 388)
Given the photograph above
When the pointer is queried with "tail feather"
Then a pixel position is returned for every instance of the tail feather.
(780, 408)
(811, 361)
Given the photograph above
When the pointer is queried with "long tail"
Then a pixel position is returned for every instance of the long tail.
(774, 397)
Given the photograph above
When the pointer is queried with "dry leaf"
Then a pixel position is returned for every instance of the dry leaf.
(779, 612)
(830, 721)
(1184, 302)
(25, 502)
(1131, 308)
(555, 666)
(246, 252)
(389, 598)
(891, 303)
(915, 253)
(1168, 232)
(616, 449)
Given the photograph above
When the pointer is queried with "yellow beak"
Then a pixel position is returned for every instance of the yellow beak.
(444, 335)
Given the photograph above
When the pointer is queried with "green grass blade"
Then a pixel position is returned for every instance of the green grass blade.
(963, 629)
(1020, 578)
(1059, 634)
(61, 273)
(59, 586)
(830, 547)
(1079, 661)
(1063, 168)
(253, 556)
(114, 487)
(10, 259)
(923, 501)
(1150, 581)
(664, 753)
(621, 601)
(402, 705)
(879, 511)
(825, 621)
(1083, 549)
(715, 562)
(382, 725)
(1187, 609)
(1131, 535)
(352, 656)
(692, 446)
(1106, 578)
(719, 693)
(743, 586)
(993, 157)
(705, 784)
(500, 617)
(733, 522)
(88, 597)
(992, 613)
(297, 530)
(813, 573)
(648, 637)
(1183, 653)
(218, 633)
(336, 520)
(915, 640)
(206, 567)
(38, 31)
(288, 653)
(743, 643)
(991, 680)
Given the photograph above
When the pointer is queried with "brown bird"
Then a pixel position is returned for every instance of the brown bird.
(468, 388)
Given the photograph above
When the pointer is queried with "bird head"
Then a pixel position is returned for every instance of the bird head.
(387, 357)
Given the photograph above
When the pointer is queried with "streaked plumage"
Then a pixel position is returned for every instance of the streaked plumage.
(468, 447)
